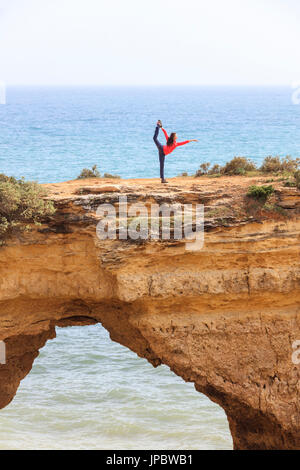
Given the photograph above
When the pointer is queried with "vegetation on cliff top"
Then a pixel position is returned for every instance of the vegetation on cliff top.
(94, 173)
(87, 173)
(244, 166)
(21, 203)
(260, 193)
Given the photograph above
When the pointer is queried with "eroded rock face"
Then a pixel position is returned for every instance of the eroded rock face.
(224, 318)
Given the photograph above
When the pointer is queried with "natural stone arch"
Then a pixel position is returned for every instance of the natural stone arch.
(162, 339)
(66, 322)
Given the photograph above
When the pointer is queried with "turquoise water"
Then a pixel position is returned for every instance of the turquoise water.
(50, 134)
(85, 391)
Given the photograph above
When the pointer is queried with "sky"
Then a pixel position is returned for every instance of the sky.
(142, 42)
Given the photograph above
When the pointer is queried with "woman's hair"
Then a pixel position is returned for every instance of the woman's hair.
(171, 139)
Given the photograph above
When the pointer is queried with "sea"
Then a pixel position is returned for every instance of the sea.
(85, 391)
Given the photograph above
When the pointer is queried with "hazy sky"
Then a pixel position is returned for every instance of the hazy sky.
(137, 42)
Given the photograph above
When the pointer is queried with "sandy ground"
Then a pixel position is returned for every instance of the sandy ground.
(228, 184)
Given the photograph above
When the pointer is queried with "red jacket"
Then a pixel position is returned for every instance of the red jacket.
(169, 148)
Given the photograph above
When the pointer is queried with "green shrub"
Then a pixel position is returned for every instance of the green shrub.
(297, 178)
(21, 203)
(290, 184)
(240, 171)
(278, 165)
(260, 193)
(86, 173)
(108, 175)
(238, 166)
(289, 165)
(215, 170)
(271, 165)
(203, 170)
(274, 208)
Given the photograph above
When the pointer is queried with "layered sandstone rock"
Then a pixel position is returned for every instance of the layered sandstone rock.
(224, 318)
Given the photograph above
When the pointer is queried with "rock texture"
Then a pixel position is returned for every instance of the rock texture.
(224, 318)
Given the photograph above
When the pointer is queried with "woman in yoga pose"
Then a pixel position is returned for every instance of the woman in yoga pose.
(164, 150)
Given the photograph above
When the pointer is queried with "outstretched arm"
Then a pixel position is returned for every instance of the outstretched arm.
(166, 135)
(178, 144)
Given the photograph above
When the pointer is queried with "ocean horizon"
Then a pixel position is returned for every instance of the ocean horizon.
(49, 134)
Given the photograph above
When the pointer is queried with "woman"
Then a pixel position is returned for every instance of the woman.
(164, 150)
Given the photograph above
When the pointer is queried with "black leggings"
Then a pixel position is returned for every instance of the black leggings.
(161, 154)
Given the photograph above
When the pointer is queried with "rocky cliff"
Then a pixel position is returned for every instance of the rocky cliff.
(224, 317)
